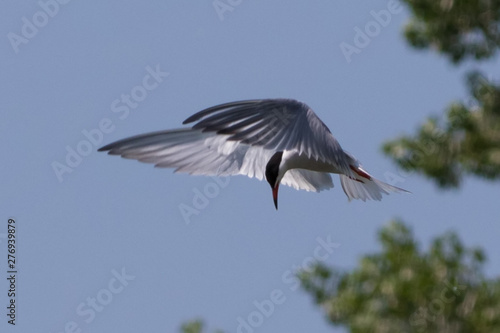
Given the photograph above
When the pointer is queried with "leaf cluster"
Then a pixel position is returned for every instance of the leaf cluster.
(402, 289)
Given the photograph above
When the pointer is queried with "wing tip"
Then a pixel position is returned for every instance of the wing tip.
(370, 190)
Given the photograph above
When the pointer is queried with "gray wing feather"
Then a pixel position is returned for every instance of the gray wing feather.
(198, 153)
(186, 150)
(274, 124)
(240, 138)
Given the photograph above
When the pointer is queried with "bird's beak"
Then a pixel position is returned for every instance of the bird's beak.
(275, 195)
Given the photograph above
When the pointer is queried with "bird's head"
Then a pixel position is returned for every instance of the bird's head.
(272, 174)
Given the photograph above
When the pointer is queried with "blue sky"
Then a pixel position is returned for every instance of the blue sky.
(104, 247)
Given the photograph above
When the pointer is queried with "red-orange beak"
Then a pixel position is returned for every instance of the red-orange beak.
(275, 195)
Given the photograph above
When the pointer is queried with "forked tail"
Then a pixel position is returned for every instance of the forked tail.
(364, 187)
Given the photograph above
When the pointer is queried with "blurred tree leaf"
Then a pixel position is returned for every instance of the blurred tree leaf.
(194, 326)
(402, 289)
(455, 28)
(467, 143)
(468, 140)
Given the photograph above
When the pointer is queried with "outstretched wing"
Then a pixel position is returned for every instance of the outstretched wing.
(206, 153)
(191, 151)
(274, 124)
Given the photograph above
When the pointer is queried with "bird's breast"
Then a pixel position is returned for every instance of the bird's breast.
(294, 160)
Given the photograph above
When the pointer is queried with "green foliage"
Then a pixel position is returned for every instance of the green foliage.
(194, 326)
(402, 289)
(467, 143)
(456, 28)
(468, 140)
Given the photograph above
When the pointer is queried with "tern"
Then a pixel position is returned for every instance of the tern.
(282, 140)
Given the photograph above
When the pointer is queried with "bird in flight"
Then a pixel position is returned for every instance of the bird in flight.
(282, 140)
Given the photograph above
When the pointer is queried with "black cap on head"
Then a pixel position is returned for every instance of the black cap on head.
(272, 171)
(273, 167)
